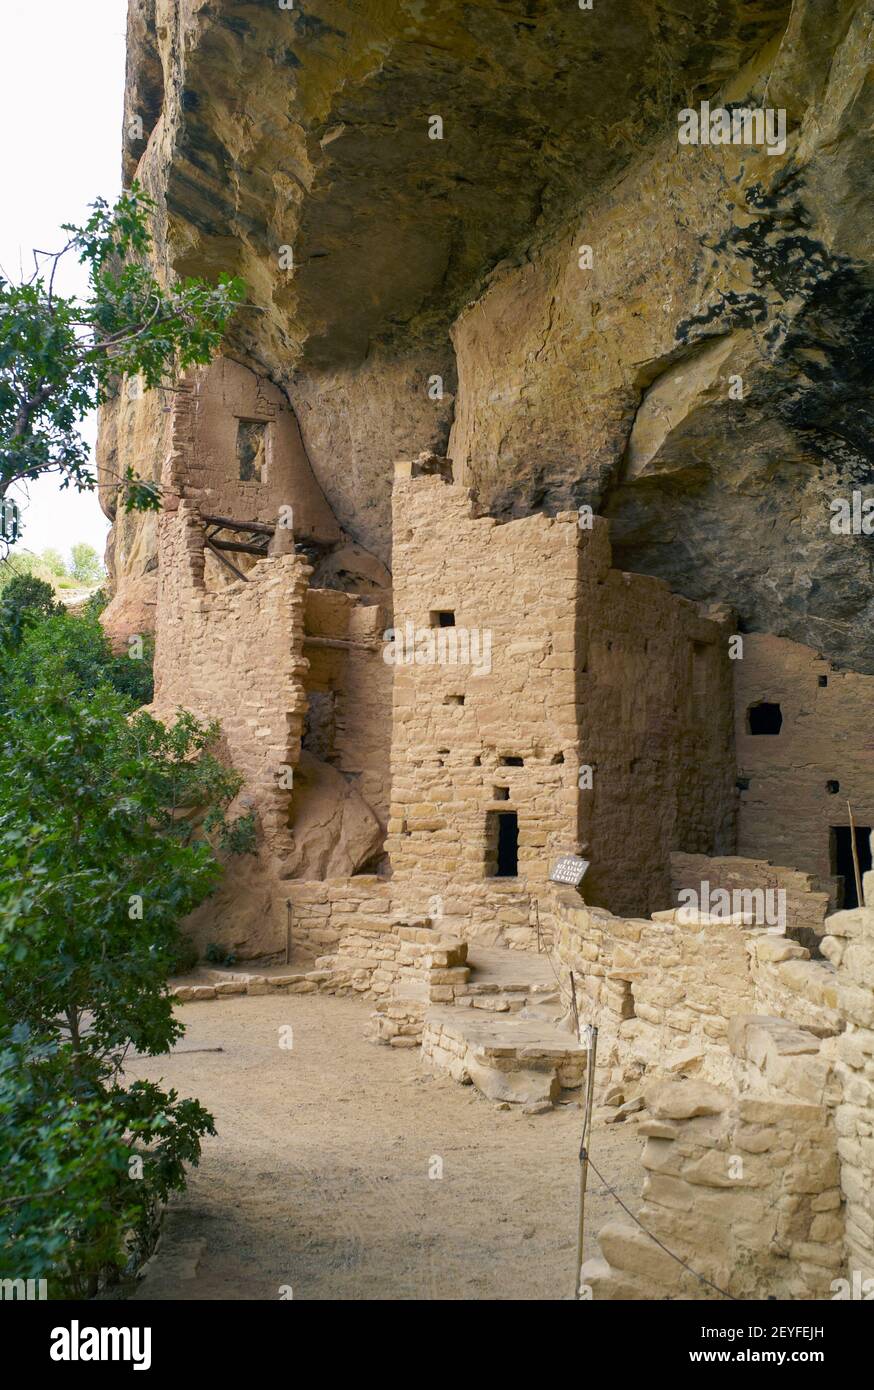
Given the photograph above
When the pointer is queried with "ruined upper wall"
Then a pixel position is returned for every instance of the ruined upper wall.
(237, 452)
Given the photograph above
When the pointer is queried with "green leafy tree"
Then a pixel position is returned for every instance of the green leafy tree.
(109, 830)
(62, 356)
(72, 1209)
(24, 600)
(81, 646)
(86, 566)
(53, 561)
(20, 563)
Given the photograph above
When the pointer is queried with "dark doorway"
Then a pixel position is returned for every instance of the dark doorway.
(502, 844)
(764, 718)
(841, 846)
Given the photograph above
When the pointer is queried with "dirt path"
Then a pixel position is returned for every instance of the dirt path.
(319, 1176)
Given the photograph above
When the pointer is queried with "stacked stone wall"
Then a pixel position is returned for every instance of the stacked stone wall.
(742, 1182)
(601, 715)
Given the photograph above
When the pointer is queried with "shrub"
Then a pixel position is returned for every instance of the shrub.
(103, 849)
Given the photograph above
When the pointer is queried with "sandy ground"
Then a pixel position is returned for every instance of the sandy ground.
(317, 1185)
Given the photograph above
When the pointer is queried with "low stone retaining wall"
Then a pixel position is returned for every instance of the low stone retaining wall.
(663, 991)
(850, 945)
(406, 967)
(511, 1062)
(319, 912)
(742, 1182)
(493, 914)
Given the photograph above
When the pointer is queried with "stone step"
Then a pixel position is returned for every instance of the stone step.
(508, 1058)
(505, 981)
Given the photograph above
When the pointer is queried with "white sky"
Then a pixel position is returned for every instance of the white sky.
(61, 104)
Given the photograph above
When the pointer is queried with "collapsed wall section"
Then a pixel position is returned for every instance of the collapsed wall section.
(349, 692)
(751, 885)
(237, 452)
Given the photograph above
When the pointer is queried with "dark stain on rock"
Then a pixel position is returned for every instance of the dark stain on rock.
(311, 27)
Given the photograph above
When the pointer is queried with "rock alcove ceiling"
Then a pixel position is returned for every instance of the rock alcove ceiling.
(458, 258)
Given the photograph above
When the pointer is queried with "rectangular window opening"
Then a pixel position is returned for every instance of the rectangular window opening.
(251, 450)
(502, 844)
(700, 677)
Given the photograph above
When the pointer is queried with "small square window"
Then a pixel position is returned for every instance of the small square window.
(501, 794)
(442, 617)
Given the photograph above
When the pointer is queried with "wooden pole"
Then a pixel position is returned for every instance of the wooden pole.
(576, 1012)
(238, 574)
(288, 912)
(860, 896)
(592, 1039)
(227, 523)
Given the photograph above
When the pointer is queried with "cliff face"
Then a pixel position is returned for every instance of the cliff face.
(701, 377)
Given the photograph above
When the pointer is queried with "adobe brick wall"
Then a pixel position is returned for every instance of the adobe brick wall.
(202, 465)
(826, 735)
(218, 652)
(589, 667)
(517, 586)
